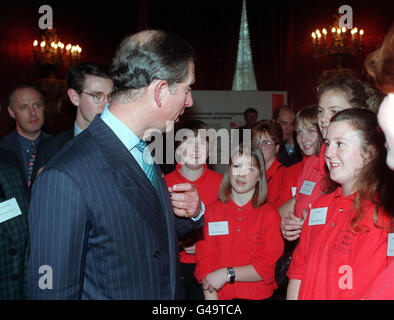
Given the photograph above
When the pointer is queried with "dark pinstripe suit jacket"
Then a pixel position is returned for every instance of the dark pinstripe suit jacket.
(96, 220)
(50, 147)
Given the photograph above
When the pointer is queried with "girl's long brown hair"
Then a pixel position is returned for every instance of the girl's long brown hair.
(375, 181)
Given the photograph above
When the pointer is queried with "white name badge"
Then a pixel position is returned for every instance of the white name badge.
(307, 187)
(293, 191)
(390, 245)
(9, 209)
(317, 216)
(218, 228)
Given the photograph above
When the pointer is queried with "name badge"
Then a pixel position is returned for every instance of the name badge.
(307, 187)
(390, 245)
(317, 216)
(218, 228)
(9, 209)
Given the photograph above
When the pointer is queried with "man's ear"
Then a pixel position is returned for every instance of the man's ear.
(74, 97)
(11, 112)
(159, 86)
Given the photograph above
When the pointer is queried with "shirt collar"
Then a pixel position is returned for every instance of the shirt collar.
(27, 142)
(77, 130)
(128, 137)
(233, 206)
(200, 179)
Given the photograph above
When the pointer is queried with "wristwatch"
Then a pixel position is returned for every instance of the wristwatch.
(231, 274)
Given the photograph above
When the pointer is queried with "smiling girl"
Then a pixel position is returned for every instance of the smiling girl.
(343, 245)
(334, 95)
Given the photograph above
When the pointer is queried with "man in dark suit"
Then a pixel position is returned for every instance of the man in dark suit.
(26, 106)
(289, 151)
(250, 115)
(89, 87)
(101, 219)
(14, 235)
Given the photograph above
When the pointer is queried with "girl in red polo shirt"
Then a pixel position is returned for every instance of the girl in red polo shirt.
(334, 94)
(344, 244)
(242, 239)
(309, 140)
(192, 154)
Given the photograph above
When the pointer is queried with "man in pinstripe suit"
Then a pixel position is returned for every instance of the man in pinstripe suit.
(98, 225)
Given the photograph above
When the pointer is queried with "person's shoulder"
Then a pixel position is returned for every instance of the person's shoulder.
(171, 178)
(215, 211)
(55, 143)
(77, 152)
(8, 138)
(45, 135)
(269, 209)
(8, 170)
(214, 205)
(213, 175)
(327, 199)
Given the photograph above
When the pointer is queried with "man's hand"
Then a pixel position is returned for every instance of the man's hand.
(185, 200)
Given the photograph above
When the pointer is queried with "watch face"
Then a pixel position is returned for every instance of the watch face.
(231, 272)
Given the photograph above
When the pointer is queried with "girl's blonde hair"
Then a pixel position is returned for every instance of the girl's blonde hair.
(260, 192)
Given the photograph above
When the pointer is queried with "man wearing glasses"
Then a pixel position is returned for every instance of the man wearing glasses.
(89, 88)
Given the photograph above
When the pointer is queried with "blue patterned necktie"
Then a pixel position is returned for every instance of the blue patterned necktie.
(148, 167)
(30, 164)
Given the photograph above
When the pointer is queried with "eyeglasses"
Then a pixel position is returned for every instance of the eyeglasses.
(264, 143)
(98, 97)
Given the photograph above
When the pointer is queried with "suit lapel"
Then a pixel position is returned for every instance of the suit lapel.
(127, 173)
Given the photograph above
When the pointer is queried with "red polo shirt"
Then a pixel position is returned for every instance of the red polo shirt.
(334, 262)
(383, 287)
(253, 237)
(289, 182)
(208, 187)
(314, 171)
(274, 176)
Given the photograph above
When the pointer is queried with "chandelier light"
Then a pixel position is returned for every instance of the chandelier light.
(51, 54)
(337, 42)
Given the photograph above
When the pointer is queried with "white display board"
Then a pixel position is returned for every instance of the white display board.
(224, 109)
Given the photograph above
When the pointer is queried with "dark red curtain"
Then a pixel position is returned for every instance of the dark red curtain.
(270, 34)
(212, 28)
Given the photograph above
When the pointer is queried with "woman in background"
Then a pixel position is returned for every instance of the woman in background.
(268, 137)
